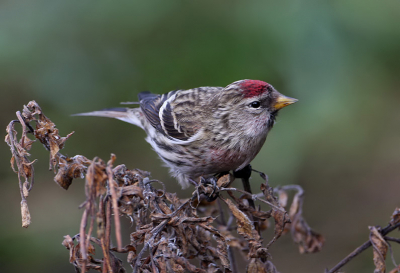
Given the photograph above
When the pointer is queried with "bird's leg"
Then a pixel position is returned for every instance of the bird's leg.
(245, 174)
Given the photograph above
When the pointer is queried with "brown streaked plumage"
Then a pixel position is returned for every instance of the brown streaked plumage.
(206, 130)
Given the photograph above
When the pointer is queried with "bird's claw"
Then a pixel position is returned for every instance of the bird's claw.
(214, 193)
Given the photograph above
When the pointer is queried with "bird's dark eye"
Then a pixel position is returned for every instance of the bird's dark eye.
(255, 104)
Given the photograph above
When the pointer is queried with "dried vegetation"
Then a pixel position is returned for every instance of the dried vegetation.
(200, 234)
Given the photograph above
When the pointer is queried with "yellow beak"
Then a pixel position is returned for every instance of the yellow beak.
(283, 101)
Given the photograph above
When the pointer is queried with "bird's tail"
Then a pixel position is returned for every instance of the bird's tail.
(130, 115)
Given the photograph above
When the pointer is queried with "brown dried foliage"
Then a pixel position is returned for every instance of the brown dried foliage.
(380, 248)
(170, 234)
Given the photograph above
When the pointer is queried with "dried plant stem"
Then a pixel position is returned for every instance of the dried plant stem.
(254, 196)
(387, 238)
(231, 254)
(83, 239)
(112, 185)
(105, 239)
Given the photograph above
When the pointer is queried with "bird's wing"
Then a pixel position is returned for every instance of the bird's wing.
(178, 114)
(151, 105)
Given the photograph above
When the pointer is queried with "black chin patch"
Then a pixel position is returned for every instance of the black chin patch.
(272, 118)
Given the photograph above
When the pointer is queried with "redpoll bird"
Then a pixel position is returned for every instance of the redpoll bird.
(206, 130)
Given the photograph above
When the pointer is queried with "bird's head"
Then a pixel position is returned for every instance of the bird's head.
(252, 105)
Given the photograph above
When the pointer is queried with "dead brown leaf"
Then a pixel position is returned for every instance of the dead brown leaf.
(278, 212)
(395, 218)
(380, 248)
(224, 180)
(245, 228)
(307, 239)
(70, 168)
(257, 266)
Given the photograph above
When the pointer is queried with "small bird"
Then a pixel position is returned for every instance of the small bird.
(207, 130)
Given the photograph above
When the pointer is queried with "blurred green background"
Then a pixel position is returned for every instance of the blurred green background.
(341, 141)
